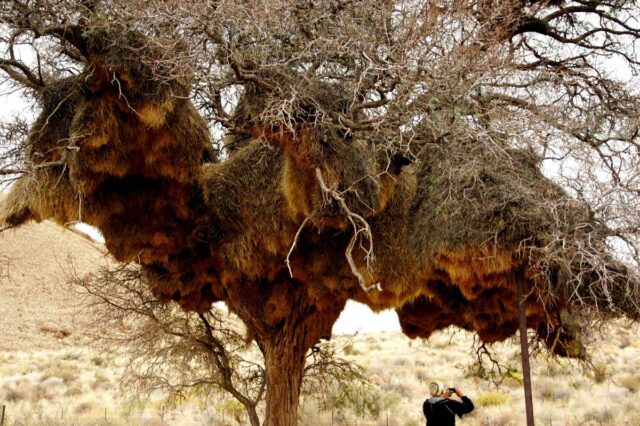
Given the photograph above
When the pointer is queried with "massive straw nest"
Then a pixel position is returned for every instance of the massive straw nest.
(302, 205)
(118, 149)
(489, 218)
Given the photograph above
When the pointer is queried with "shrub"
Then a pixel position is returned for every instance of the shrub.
(397, 387)
(599, 372)
(494, 418)
(632, 383)
(73, 391)
(40, 393)
(350, 350)
(68, 374)
(15, 395)
(625, 341)
(84, 407)
(556, 368)
(71, 356)
(634, 418)
(234, 409)
(552, 389)
(375, 346)
(422, 375)
(401, 362)
(513, 378)
(100, 378)
(600, 414)
(98, 361)
(491, 398)
(101, 381)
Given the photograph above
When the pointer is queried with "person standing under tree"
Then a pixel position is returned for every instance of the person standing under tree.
(441, 410)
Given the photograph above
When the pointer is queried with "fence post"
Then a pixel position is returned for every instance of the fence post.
(524, 353)
(2, 415)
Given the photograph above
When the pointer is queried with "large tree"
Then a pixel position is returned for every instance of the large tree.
(194, 355)
(284, 157)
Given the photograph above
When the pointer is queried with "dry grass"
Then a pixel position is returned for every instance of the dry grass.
(564, 393)
(47, 380)
(491, 399)
(77, 385)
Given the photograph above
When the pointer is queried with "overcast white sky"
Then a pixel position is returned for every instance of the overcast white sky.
(357, 317)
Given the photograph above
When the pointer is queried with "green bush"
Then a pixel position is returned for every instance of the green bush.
(513, 378)
(491, 399)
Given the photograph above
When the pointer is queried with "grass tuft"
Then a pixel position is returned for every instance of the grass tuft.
(491, 399)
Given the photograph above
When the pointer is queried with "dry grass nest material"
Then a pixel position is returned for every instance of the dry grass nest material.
(454, 232)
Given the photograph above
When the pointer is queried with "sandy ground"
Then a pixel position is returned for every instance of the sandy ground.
(36, 310)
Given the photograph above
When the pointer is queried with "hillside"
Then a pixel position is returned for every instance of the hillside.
(36, 310)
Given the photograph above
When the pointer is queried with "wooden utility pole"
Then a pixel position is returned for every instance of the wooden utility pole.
(2, 416)
(524, 351)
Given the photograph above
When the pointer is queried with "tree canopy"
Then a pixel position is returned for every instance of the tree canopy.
(284, 157)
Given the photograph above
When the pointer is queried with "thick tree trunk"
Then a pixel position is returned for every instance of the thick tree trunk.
(286, 322)
(284, 362)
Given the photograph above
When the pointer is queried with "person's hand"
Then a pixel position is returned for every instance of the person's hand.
(459, 392)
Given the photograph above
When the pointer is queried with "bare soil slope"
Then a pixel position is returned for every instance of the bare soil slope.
(36, 307)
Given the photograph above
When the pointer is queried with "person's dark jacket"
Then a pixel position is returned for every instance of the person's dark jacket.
(443, 411)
